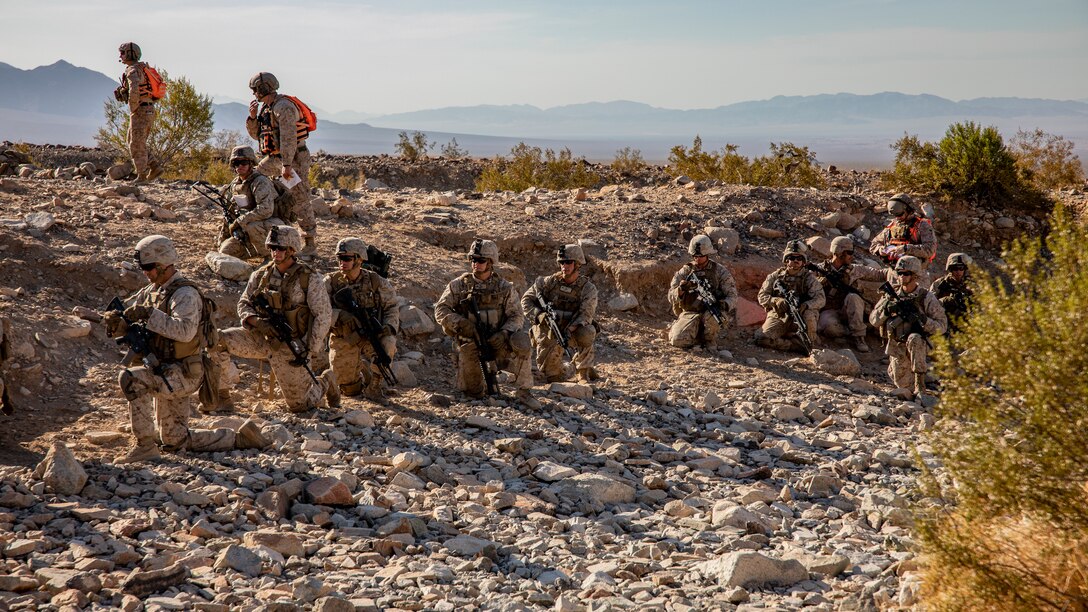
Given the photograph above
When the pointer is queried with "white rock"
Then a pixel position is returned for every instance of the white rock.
(411, 460)
(623, 302)
(40, 221)
(575, 390)
(468, 546)
(359, 418)
(414, 322)
(228, 267)
(752, 569)
(75, 328)
(62, 473)
(836, 363)
(597, 487)
(549, 471)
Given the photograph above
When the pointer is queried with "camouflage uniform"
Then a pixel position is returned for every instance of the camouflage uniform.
(309, 312)
(136, 91)
(778, 328)
(5, 354)
(694, 323)
(907, 350)
(910, 236)
(255, 218)
(349, 348)
(843, 313)
(575, 305)
(501, 312)
(276, 131)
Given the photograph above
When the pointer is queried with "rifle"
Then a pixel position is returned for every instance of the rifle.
(6, 406)
(793, 303)
(834, 277)
(138, 341)
(706, 296)
(488, 365)
(553, 323)
(906, 310)
(372, 327)
(283, 333)
(230, 213)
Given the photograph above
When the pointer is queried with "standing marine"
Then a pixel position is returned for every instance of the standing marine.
(572, 298)
(136, 91)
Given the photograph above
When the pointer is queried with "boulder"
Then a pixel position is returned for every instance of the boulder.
(406, 378)
(468, 546)
(751, 569)
(579, 391)
(552, 472)
(726, 239)
(836, 363)
(623, 302)
(62, 472)
(596, 487)
(286, 544)
(819, 247)
(228, 267)
(40, 221)
(239, 559)
(120, 171)
(415, 322)
(329, 491)
(749, 313)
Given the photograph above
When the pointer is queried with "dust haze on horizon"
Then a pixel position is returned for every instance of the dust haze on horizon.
(390, 57)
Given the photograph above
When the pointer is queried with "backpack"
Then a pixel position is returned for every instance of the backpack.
(306, 117)
(285, 203)
(377, 261)
(155, 83)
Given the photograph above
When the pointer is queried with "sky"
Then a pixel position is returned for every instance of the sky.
(390, 57)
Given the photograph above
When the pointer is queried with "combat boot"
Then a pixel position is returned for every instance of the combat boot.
(587, 375)
(332, 389)
(145, 451)
(525, 398)
(373, 390)
(860, 345)
(352, 389)
(309, 248)
(919, 385)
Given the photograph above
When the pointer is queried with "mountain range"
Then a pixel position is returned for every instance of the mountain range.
(63, 104)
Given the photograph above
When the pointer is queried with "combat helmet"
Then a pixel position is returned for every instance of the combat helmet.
(243, 153)
(909, 263)
(958, 259)
(484, 248)
(155, 249)
(899, 204)
(130, 52)
(841, 244)
(285, 236)
(352, 246)
(571, 251)
(264, 83)
(701, 244)
(795, 247)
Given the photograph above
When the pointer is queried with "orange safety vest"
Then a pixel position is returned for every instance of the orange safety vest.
(900, 234)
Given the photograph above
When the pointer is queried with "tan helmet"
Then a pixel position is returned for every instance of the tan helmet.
(909, 263)
(571, 251)
(841, 244)
(958, 259)
(264, 83)
(243, 153)
(130, 52)
(352, 246)
(284, 235)
(795, 247)
(156, 249)
(701, 245)
(484, 248)
(899, 204)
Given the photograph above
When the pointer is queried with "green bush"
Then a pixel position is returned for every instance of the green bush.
(532, 167)
(788, 165)
(414, 147)
(182, 127)
(1045, 160)
(1010, 528)
(697, 164)
(452, 150)
(628, 161)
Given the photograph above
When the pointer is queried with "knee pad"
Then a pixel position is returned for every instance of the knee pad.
(519, 342)
(130, 385)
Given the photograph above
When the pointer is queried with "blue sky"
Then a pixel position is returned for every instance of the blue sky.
(386, 57)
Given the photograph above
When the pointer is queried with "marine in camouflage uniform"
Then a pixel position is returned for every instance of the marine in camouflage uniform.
(255, 196)
(694, 324)
(844, 311)
(6, 406)
(275, 124)
(906, 347)
(573, 299)
(907, 234)
(501, 315)
(172, 309)
(136, 92)
(953, 290)
(778, 331)
(298, 293)
(351, 351)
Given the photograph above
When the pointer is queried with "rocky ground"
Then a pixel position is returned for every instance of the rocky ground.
(747, 479)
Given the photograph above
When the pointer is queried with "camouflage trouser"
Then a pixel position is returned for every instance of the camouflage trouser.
(257, 232)
(846, 321)
(905, 359)
(692, 328)
(154, 408)
(298, 389)
(139, 127)
(272, 167)
(511, 356)
(350, 354)
(780, 333)
(549, 355)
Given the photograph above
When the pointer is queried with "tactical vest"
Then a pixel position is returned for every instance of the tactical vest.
(490, 298)
(796, 285)
(144, 88)
(174, 350)
(900, 329)
(835, 296)
(268, 134)
(902, 233)
(690, 302)
(565, 299)
(366, 290)
(299, 315)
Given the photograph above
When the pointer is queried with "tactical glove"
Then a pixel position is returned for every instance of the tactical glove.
(687, 286)
(778, 305)
(498, 339)
(115, 325)
(541, 317)
(465, 328)
(138, 313)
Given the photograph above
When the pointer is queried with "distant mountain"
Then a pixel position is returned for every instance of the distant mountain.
(57, 89)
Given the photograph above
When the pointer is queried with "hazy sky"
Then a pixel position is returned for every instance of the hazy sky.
(386, 57)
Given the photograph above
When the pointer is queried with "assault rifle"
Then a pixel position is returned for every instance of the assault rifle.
(6, 406)
(230, 213)
(553, 324)
(706, 296)
(836, 278)
(138, 341)
(284, 333)
(488, 365)
(372, 327)
(907, 311)
(793, 304)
